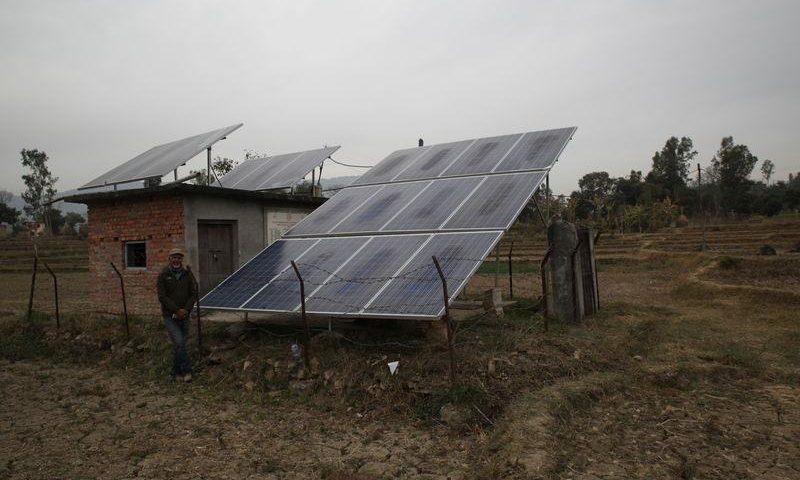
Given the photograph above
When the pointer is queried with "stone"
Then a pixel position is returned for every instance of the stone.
(247, 364)
(564, 277)
(375, 469)
(314, 364)
(493, 302)
(451, 415)
(768, 250)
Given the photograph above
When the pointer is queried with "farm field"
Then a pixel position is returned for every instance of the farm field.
(691, 370)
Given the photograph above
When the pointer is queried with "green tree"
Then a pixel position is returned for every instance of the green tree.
(72, 219)
(7, 213)
(767, 169)
(55, 220)
(39, 184)
(629, 190)
(671, 166)
(733, 165)
(219, 166)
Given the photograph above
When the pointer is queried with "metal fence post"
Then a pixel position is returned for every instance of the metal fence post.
(55, 289)
(307, 346)
(510, 272)
(124, 302)
(33, 281)
(448, 322)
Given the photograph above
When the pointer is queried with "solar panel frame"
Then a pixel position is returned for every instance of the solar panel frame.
(161, 159)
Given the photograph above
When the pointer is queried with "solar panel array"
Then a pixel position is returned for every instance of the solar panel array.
(278, 171)
(367, 252)
(160, 160)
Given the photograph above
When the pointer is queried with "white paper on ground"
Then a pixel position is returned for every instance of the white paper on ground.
(393, 366)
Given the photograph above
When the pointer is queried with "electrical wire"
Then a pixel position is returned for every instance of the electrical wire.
(349, 165)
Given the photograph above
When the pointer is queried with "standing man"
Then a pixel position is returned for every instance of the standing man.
(177, 293)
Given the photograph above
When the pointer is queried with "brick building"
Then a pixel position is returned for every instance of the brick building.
(220, 229)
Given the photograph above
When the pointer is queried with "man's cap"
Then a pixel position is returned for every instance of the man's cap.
(176, 251)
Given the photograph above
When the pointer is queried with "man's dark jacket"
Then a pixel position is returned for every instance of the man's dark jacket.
(175, 293)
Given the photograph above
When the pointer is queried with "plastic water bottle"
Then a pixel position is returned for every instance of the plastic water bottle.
(296, 352)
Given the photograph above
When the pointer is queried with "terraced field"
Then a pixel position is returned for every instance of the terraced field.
(61, 253)
(734, 238)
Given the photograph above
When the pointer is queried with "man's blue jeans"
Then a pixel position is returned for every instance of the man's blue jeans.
(178, 331)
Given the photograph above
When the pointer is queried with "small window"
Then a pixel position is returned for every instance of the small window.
(135, 255)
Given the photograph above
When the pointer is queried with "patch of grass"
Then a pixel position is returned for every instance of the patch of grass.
(489, 268)
(786, 346)
(738, 355)
(695, 294)
(729, 263)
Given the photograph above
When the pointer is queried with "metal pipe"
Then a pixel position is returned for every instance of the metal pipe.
(306, 358)
(543, 274)
(185, 178)
(55, 289)
(510, 273)
(704, 246)
(33, 280)
(539, 210)
(208, 168)
(124, 302)
(448, 322)
(497, 266)
(547, 186)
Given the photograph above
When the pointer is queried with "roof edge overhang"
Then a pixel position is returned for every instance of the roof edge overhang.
(189, 189)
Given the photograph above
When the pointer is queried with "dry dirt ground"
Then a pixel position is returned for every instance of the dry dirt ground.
(688, 372)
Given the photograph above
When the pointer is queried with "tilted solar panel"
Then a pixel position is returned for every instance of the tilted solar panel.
(279, 171)
(369, 276)
(160, 160)
(372, 243)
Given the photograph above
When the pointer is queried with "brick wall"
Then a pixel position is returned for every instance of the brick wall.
(158, 220)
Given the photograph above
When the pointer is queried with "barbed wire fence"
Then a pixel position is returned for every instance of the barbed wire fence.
(420, 298)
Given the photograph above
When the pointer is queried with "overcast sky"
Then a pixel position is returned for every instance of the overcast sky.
(94, 83)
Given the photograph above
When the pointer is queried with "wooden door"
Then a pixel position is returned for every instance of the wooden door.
(215, 247)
